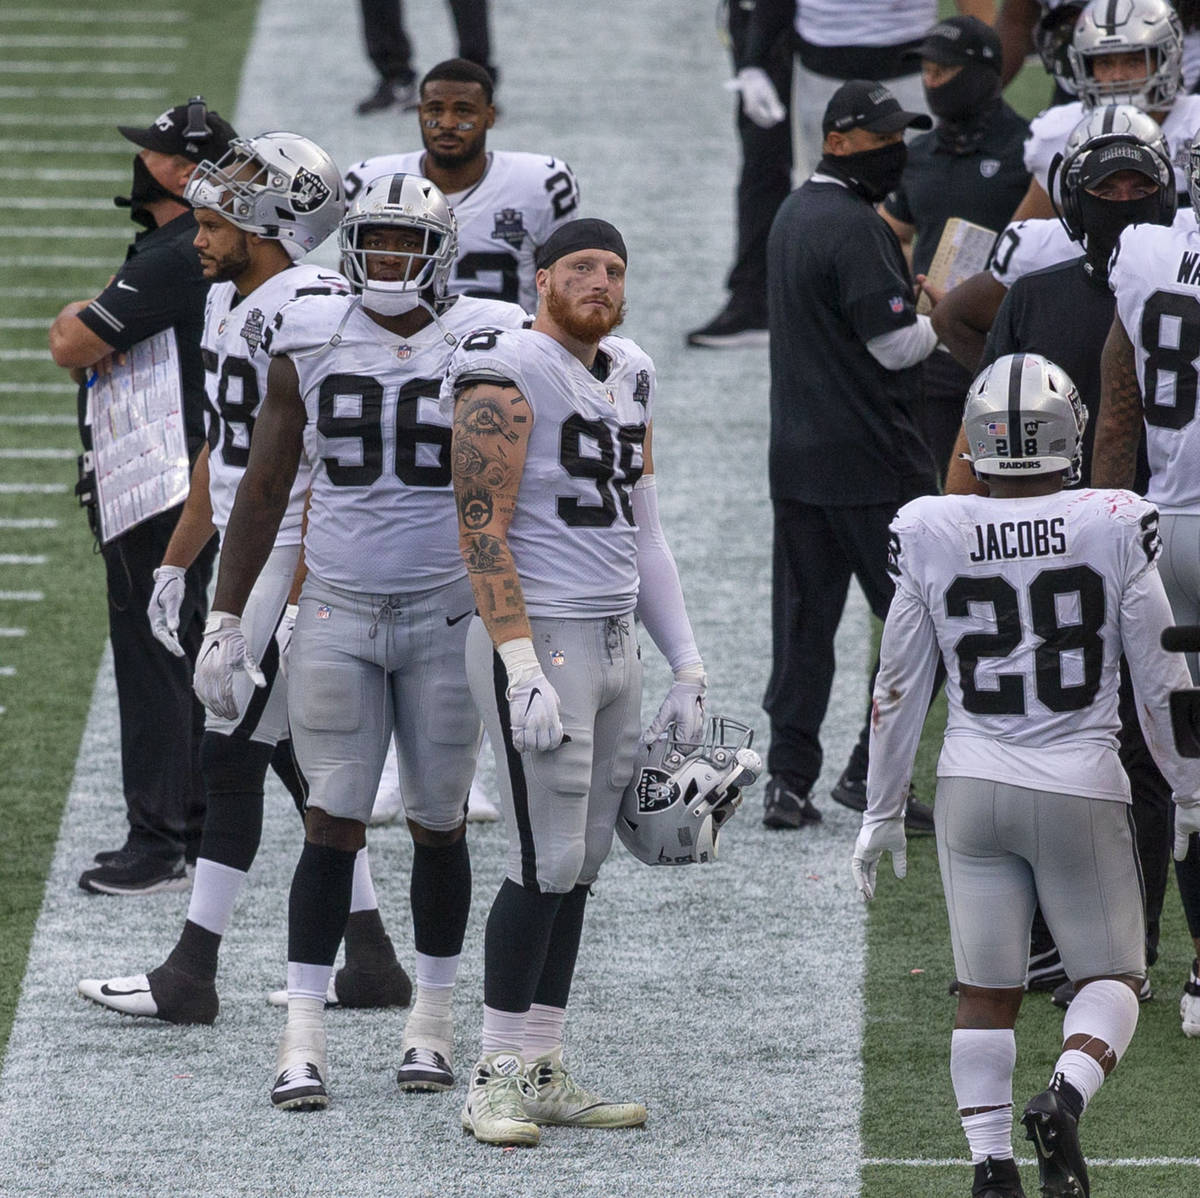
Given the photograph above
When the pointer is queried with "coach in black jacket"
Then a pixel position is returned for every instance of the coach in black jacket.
(846, 344)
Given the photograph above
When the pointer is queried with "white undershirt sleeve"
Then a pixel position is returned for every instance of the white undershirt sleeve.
(904, 347)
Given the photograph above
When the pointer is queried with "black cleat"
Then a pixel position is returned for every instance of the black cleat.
(997, 1178)
(164, 993)
(784, 807)
(1054, 1130)
(734, 327)
(386, 94)
(852, 792)
(385, 985)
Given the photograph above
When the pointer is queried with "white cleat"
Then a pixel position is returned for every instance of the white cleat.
(428, 1047)
(300, 1066)
(130, 996)
(494, 1112)
(1189, 1004)
(559, 1100)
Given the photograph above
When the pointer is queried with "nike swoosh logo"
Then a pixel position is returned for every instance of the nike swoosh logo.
(123, 286)
(106, 989)
(456, 619)
(533, 694)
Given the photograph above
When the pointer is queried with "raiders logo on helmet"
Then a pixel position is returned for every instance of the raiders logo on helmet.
(308, 191)
(655, 791)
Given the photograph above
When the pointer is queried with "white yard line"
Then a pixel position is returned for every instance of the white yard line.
(99, 66)
(79, 93)
(24, 523)
(62, 203)
(49, 418)
(22, 596)
(53, 262)
(64, 232)
(32, 488)
(70, 41)
(53, 13)
(57, 174)
(23, 559)
(38, 455)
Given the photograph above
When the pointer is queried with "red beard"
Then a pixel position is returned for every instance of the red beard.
(588, 325)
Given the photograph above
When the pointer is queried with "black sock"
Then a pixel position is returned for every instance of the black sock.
(515, 944)
(441, 897)
(196, 952)
(234, 771)
(319, 903)
(554, 986)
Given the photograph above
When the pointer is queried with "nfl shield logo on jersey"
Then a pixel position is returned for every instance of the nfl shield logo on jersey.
(308, 191)
(252, 330)
(655, 790)
(510, 226)
(896, 303)
(404, 352)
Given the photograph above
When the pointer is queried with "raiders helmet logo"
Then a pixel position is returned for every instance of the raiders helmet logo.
(252, 330)
(655, 791)
(308, 191)
(163, 122)
(509, 227)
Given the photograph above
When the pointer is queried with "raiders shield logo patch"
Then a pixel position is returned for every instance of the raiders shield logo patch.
(509, 226)
(252, 330)
(641, 387)
(308, 191)
(988, 167)
(655, 791)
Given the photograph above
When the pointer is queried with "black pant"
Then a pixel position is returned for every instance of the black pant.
(817, 550)
(766, 176)
(390, 50)
(161, 719)
(944, 385)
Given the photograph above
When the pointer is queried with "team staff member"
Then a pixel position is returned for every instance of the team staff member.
(846, 345)
(159, 286)
(969, 166)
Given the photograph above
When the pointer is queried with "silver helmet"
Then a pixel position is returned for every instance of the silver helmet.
(407, 202)
(279, 185)
(1148, 27)
(682, 793)
(1023, 418)
(1193, 174)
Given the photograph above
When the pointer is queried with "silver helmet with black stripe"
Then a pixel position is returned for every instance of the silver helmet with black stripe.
(1150, 29)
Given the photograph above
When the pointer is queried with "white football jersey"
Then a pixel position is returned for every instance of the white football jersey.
(1049, 130)
(1155, 275)
(513, 209)
(236, 362)
(381, 519)
(572, 536)
(1030, 602)
(864, 23)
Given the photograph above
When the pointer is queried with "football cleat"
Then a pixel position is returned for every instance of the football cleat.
(301, 1068)
(428, 1046)
(560, 1100)
(424, 1069)
(132, 872)
(1054, 1131)
(494, 1112)
(1189, 1003)
(788, 807)
(997, 1178)
(165, 993)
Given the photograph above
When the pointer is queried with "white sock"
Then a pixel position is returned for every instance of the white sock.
(543, 1030)
(307, 981)
(437, 972)
(503, 1031)
(215, 889)
(1106, 1012)
(981, 1068)
(362, 897)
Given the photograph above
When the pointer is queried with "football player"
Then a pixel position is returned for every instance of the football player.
(506, 203)
(378, 647)
(1149, 379)
(1029, 594)
(558, 519)
(268, 201)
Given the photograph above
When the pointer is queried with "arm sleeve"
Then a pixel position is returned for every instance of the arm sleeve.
(904, 347)
(660, 605)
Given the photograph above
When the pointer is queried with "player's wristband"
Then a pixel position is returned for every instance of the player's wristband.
(520, 660)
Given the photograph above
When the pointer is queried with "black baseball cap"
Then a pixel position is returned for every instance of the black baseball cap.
(191, 130)
(863, 104)
(958, 41)
(1124, 155)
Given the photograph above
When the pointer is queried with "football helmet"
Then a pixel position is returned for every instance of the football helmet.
(1151, 28)
(407, 202)
(682, 793)
(1051, 37)
(1024, 418)
(278, 185)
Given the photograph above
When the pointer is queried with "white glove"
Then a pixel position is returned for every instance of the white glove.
(222, 653)
(283, 634)
(683, 706)
(1187, 821)
(164, 607)
(874, 839)
(760, 100)
(533, 713)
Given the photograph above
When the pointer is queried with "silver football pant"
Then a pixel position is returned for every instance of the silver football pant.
(1179, 567)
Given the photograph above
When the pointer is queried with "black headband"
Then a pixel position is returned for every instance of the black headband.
(575, 235)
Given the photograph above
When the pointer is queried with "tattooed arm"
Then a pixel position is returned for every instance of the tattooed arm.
(492, 423)
(1119, 426)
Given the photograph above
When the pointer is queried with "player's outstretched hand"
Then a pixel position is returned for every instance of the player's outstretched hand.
(1187, 821)
(534, 716)
(165, 602)
(874, 839)
(683, 707)
(222, 653)
(760, 100)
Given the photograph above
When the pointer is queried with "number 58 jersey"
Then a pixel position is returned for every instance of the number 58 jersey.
(381, 516)
(1155, 275)
(1030, 603)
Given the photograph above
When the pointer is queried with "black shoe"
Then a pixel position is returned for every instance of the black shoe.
(104, 856)
(133, 872)
(1064, 994)
(403, 95)
(852, 792)
(997, 1179)
(785, 807)
(1053, 1126)
(382, 984)
(918, 817)
(734, 327)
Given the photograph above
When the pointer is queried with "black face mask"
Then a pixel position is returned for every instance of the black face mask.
(1104, 220)
(965, 96)
(146, 189)
(871, 173)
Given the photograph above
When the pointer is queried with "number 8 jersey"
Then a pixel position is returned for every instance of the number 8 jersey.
(572, 535)
(381, 516)
(1155, 275)
(1031, 603)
